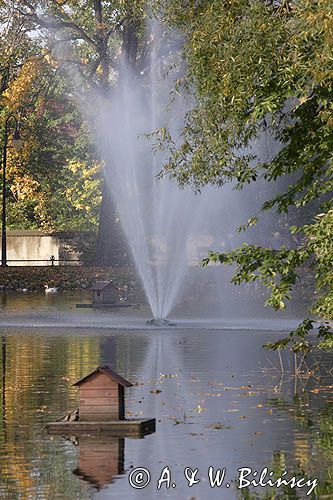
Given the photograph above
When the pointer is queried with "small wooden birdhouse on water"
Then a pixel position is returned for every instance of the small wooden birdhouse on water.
(102, 395)
(102, 408)
(104, 293)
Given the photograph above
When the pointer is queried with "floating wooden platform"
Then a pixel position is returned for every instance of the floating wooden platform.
(104, 306)
(118, 428)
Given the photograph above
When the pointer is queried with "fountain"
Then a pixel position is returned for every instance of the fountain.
(157, 217)
(168, 229)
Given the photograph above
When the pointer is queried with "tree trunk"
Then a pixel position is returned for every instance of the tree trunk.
(112, 248)
(130, 42)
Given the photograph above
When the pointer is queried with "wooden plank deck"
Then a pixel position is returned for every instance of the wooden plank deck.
(119, 428)
(104, 306)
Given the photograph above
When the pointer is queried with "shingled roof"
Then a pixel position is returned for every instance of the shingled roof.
(100, 285)
(107, 371)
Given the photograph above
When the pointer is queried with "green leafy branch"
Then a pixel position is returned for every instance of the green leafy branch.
(298, 340)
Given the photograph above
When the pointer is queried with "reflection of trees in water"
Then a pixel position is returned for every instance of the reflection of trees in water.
(36, 377)
(123, 354)
(3, 382)
(313, 451)
(278, 465)
(286, 492)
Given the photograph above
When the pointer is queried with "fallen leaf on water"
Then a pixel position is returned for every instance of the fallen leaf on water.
(219, 426)
(176, 421)
(322, 389)
(41, 410)
(211, 394)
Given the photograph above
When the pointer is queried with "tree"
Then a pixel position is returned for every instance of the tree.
(42, 40)
(54, 135)
(256, 65)
(89, 35)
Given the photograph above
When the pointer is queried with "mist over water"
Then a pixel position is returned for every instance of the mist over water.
(168, 229)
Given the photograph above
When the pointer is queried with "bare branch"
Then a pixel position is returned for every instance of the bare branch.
(53, 23)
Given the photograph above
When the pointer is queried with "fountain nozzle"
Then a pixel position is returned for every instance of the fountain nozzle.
(160, 322)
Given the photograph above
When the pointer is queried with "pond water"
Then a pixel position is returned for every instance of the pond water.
(219, 400)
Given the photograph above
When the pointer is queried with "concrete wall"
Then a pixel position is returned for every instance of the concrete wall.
(32, 246)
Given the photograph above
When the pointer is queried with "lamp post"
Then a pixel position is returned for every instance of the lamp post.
(17, 144)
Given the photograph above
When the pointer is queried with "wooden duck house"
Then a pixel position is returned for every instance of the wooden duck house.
(104, 293)
(102, 408)
(102, 395)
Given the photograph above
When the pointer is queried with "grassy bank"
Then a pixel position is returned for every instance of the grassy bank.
(64, 277)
